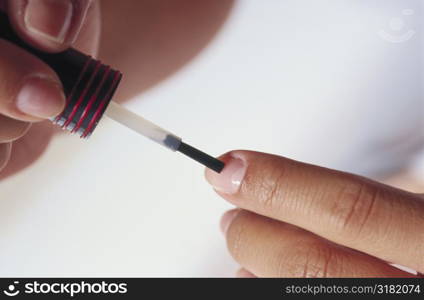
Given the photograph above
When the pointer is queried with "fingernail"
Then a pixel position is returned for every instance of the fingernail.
(227, 219)
(41, 97)
(230, 179)
(49, 19)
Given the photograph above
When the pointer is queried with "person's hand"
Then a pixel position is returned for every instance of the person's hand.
(133, 41)
(29, 90)
(299, 220)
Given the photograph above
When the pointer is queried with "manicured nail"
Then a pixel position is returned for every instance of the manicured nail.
(227, 219)
(49, 19)
(41, 97)
(230, 179)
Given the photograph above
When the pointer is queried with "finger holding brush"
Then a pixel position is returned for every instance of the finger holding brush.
(30, 91)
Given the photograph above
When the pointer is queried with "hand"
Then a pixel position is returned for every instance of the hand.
(131, 26)
(29, 90)
(299, 220)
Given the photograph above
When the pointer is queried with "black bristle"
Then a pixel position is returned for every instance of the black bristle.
(201, 157)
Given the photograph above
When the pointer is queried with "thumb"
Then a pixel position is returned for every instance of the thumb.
(50, 25)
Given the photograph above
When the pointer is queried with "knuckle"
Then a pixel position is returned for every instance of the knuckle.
(270, 190)
(354, 207)
(314, 261)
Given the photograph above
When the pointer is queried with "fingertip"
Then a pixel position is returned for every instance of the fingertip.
(227, 218)
(41, 97)
(51, 25)
(30, 90)
(231, 177)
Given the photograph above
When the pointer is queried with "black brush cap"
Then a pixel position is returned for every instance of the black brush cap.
(87, 83)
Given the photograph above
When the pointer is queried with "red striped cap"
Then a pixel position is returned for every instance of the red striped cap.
(88, 98)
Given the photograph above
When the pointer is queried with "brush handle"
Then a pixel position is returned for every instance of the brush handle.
(87, 83)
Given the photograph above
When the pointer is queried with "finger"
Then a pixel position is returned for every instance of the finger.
(11, 130)
(270, 248)
(243, 273)
(88, 40)
(346, 209)
(50, 25)
(29, 148)
(5, 150)
(29, 89)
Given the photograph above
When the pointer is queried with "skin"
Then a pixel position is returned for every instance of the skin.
(298, 220)
(24, 135)
(293, 219)
(100, 23)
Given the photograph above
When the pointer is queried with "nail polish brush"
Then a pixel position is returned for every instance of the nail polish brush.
(89, 86)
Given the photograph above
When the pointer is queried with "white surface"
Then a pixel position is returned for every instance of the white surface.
(312, 80)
